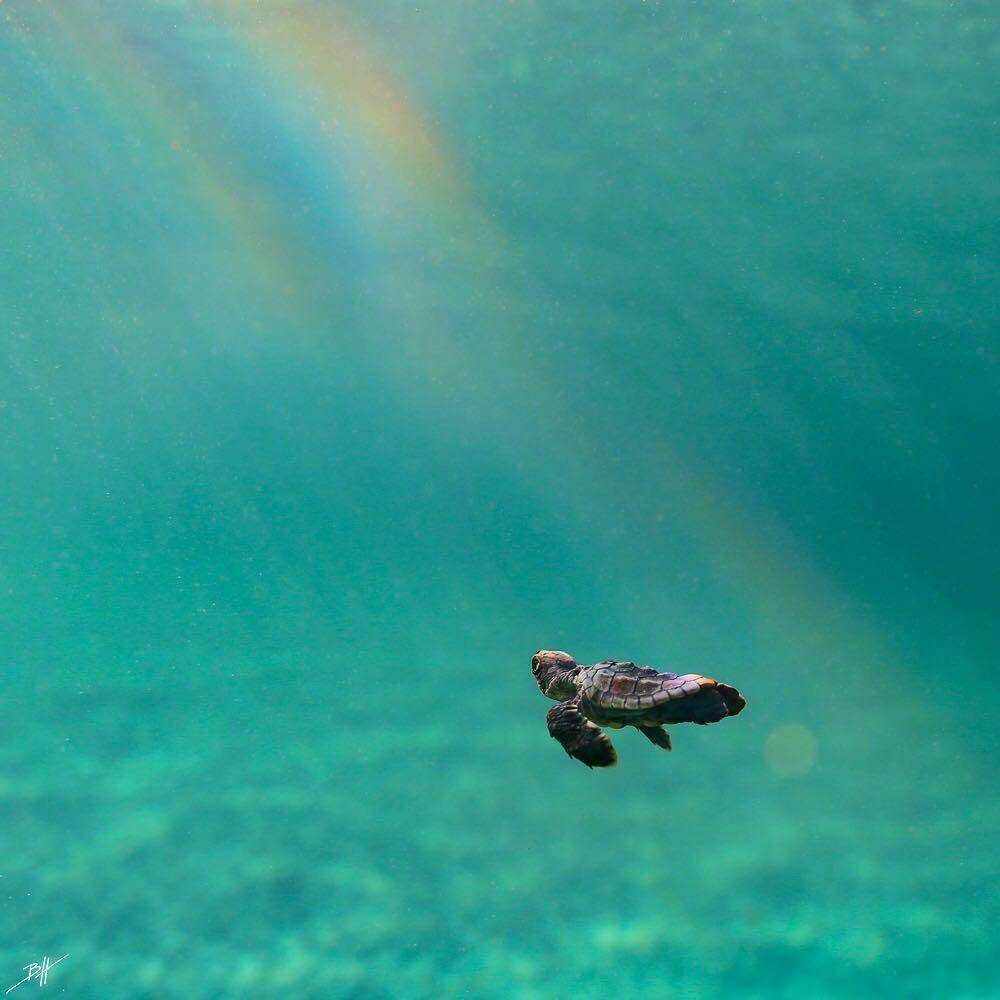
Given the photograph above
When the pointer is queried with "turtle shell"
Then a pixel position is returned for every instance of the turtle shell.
(621, 693)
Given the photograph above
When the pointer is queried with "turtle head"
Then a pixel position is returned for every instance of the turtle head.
(555, 672)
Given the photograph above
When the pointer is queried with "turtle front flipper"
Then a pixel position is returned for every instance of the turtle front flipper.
(657, 735)
(579, 737)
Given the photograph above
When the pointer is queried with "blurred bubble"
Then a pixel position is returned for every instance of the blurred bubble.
(790, 750)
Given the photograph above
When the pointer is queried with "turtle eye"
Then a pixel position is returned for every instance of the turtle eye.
(534, 664)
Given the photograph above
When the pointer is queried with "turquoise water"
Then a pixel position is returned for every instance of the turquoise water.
(353, 352)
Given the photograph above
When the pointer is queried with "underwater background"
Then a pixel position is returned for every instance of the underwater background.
(354, 351)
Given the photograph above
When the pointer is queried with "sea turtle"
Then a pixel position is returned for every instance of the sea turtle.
(617, 694)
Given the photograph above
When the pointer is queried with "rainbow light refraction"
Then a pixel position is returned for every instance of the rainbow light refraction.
(322, 114)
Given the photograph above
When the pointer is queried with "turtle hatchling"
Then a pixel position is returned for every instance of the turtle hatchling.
(616, 695)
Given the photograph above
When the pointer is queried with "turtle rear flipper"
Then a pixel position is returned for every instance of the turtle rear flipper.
(657, 735)
(707, 704)
(714, 701)
(579, 737)
(735, 702)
